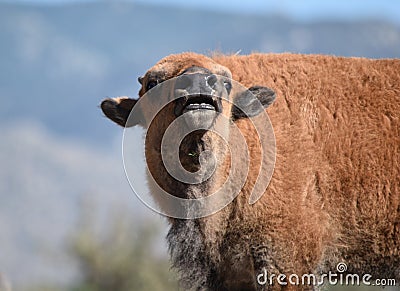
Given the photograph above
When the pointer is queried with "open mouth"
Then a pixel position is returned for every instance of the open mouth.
(200, 102)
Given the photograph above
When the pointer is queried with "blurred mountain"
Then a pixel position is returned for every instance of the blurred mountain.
(59, 61)
(44, 181)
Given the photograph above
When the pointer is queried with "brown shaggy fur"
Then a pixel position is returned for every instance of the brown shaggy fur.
(335, 192)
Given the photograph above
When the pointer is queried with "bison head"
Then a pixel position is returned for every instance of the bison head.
(190, 106)
(196, 94)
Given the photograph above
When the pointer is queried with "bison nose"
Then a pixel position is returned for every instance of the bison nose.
(196, 83)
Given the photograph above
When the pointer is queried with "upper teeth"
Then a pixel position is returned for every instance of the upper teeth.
(199, 105)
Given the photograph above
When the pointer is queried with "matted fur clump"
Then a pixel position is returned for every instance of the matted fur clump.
(335, 192)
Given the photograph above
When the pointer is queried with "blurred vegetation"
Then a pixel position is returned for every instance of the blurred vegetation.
(123, 256)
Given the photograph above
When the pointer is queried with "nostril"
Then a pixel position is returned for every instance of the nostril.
(183, 82)
(211, 80)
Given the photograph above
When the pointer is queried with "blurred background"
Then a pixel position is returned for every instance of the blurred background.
(68, 219)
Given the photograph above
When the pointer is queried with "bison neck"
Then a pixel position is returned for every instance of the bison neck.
(192, 241)
(193, 171)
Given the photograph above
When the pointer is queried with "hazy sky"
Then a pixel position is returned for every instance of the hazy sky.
(304, 9)
(299, 9)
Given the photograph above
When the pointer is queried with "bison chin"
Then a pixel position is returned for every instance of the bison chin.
(199, 119)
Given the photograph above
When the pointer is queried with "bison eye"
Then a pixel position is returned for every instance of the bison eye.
(228, 86)
(151, 84)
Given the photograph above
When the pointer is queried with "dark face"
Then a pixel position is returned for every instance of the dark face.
(202, 96)
(198, 95)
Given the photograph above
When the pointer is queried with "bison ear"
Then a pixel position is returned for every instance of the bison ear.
(252, 102)
(118, 110)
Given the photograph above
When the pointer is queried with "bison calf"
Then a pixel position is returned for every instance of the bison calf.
(334, 195)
